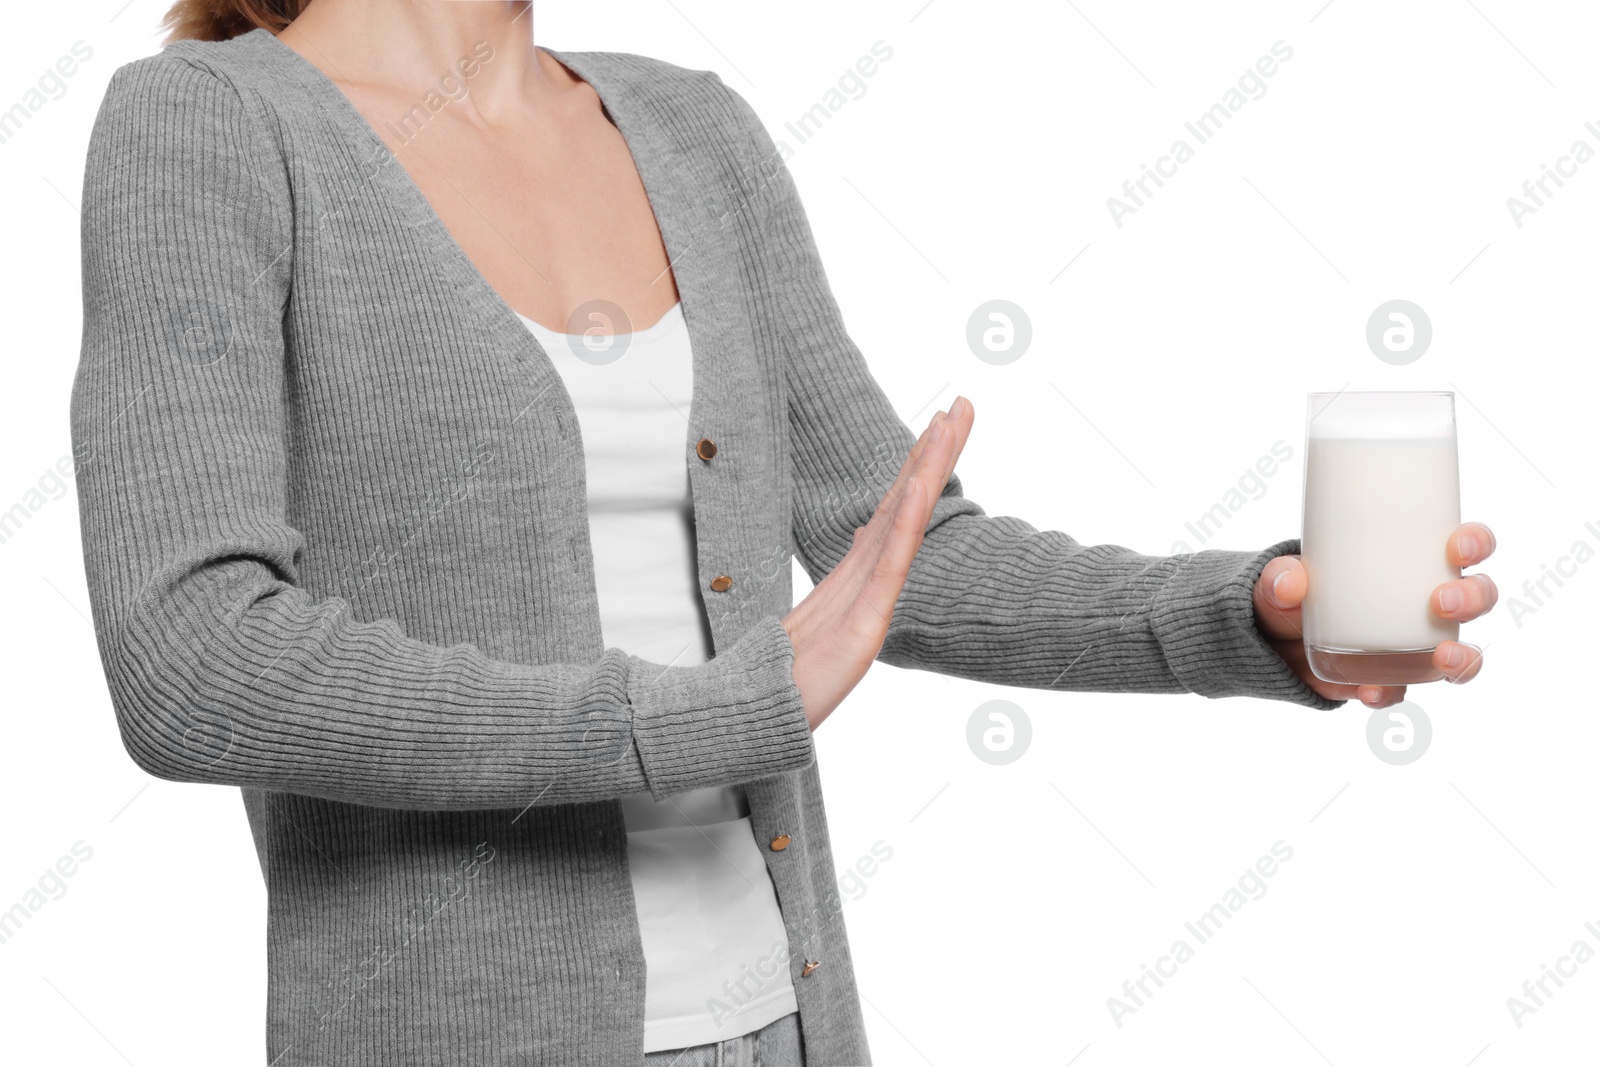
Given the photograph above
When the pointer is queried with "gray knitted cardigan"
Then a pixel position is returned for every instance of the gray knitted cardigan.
(332, 496)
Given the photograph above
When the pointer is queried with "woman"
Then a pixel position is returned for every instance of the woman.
(481, 595)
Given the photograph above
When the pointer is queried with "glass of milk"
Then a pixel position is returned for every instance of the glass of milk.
(1382, 497)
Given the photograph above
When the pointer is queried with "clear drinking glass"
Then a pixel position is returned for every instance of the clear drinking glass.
(1382, 496)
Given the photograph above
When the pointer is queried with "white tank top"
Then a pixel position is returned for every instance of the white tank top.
(714, 943)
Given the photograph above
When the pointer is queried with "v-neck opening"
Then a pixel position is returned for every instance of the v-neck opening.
(453, 247)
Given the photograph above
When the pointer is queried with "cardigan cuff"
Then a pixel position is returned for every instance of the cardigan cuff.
(736, 719)
(1204, 617)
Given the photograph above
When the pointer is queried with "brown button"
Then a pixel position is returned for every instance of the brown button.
(780, 842)
(705, 448)
(721, 583)
(809, 968)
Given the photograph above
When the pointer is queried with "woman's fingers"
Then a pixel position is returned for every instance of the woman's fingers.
(902, 535)
(909, 468)
(886, 504)
(1459, 661)
(940, 463)
(869, 537)
(1465, 598)
(1470, 544)
(1380, 696)
(1279, 592)
(866, 543)
(960, 418)
(888, 576)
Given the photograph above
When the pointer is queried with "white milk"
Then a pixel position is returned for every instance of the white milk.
(1378, 515)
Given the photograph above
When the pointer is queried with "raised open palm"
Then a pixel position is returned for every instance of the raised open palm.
(839, 628)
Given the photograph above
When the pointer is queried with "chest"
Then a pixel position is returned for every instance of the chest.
(549, 207)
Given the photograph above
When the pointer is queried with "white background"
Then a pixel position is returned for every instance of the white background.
(1018, 898)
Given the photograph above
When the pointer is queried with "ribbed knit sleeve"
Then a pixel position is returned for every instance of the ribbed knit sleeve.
(221, 667)
(989, 597)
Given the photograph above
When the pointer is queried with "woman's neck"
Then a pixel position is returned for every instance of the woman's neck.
(399, 44)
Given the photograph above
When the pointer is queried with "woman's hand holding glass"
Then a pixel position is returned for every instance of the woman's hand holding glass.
(1281, 589)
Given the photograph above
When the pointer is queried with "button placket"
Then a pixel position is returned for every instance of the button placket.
(706, 449)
